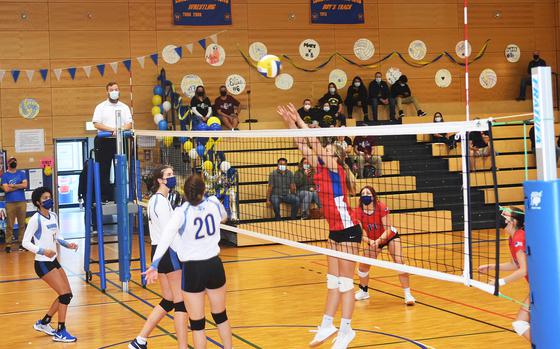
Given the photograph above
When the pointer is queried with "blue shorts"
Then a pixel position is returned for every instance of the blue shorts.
(42, 268)
(169, 262)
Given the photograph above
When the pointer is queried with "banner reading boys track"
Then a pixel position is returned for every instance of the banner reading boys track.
(202, 12)
(337, 11)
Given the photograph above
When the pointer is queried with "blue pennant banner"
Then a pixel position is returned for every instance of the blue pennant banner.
(202, 43)
(101, 68)
(154, 58)
(15, 74)
(337, 11)
(179, 50)
(72, 72)
(44, 73)
(202, 12)
(127, 63)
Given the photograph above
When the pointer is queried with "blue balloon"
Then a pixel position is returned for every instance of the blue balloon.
(215, 127)
(162, 125)
(183, 139)
(202, 140)
(200, 150)
(158, 90)
(201, 127)
(231, 172)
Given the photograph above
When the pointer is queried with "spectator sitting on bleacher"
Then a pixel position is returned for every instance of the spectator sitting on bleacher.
(327, 116)
(479, 147)
(201, 106)
(227, 108)
(309, 114)
(282, 188)
(354, 162)
(400, 91)
(357, 96)
(448, 138)
(335, 103)
(305, 187)
(380, 94)
(532, 138)
(371, 164)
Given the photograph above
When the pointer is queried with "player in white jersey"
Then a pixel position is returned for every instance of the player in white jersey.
(41, 237)
(169, 269)
(196, 225)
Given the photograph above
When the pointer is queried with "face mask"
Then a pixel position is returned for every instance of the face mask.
(402, 84)
(200, 93)
(114, 95)
(282, 167)
(48, 204)
(535, 57)
(306, 166)
(332, 90)
(306, 107)
(13, 164)
(438, 119)
(171, 182)
(357, 84)
(223, 93)
(503, 222)
(327, 109)
(378, 80)
(366, 200)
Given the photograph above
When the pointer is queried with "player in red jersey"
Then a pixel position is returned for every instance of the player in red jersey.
(513, 222)
(373, 214)
(334, 182)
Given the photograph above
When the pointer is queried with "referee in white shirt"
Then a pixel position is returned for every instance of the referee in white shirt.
(104, 119)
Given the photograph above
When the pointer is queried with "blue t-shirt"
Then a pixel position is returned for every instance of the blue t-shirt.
(14, 178)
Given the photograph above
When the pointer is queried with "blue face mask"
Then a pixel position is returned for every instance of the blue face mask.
(171, 182)
(48, 204)
(366, 200)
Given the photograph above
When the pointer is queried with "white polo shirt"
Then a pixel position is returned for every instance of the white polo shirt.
(105, 113)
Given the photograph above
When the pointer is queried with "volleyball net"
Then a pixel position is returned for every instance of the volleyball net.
(440, 201)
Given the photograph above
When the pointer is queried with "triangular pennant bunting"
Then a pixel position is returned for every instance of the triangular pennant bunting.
(15, 74)
(154, 58)
(57, 72)
(101, 69)
(29, 74)
(44, 73)
(127, 63)
(2, 73)
(72, 72)
(202, 43)
(141, 61)
(114, 66)
(214, 38)
(179, 51)
(189, 47)
(87, 70)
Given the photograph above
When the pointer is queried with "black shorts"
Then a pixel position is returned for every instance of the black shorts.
(396, 236)
(42, 268)
(201, 275)
(169, 262)
(352, 234)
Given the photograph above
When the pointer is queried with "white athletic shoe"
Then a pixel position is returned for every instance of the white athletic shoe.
(360, 295)
(409, 300)
(322, 334)
(38, 326)
(343, 340)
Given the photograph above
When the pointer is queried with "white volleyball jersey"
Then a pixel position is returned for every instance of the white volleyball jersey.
(41, 234)
(159, 213)
(197, 229)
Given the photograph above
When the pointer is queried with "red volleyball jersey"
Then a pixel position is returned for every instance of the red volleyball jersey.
(372, 223)
(516, 244)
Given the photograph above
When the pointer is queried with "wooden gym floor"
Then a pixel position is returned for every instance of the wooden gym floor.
(275, 296)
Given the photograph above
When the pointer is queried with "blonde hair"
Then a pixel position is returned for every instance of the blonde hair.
(340, 159)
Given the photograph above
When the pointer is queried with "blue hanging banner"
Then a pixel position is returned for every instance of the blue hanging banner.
(154, 58)
(202, 43)
(179, 50)
(202, 12)
(101, 68)
(72, 72)
(15, 74)
(127, 63)
(44, 73)
(337, 11)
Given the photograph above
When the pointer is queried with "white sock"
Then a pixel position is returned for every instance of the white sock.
(407, 292)
(141, 340)
(327, 321)
(345, 326)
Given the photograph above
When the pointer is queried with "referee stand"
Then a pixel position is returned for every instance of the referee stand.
(125, 207)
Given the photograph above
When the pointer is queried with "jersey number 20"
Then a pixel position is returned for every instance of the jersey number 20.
(210, 227)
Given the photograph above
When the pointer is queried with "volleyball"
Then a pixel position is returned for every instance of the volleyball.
(269, 66)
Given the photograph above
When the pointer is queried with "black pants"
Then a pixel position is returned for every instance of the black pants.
(351, 104)
(105, 150)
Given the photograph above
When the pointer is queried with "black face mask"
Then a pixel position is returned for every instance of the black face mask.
(200, 93)
(503, 222)
(536, 57)
(223, 93)
(13, 164)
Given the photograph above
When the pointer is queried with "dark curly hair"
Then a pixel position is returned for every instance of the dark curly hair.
(37, 193)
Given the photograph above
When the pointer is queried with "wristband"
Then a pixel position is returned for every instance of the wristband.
(501, 282)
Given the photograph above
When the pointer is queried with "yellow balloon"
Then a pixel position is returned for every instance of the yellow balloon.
(156, 100)
(208, 165)
(47, 171)
(156, 110)
(213, 120)
(167, 141)
(209, 144)
(187, 146)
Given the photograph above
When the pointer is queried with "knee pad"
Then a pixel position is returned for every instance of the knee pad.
(520, 327)
(197, 325)
(180, 307)
(332, 282)
(345, 284)
(220, 317)
(167, 305)
(65, 298)
(363, 274)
